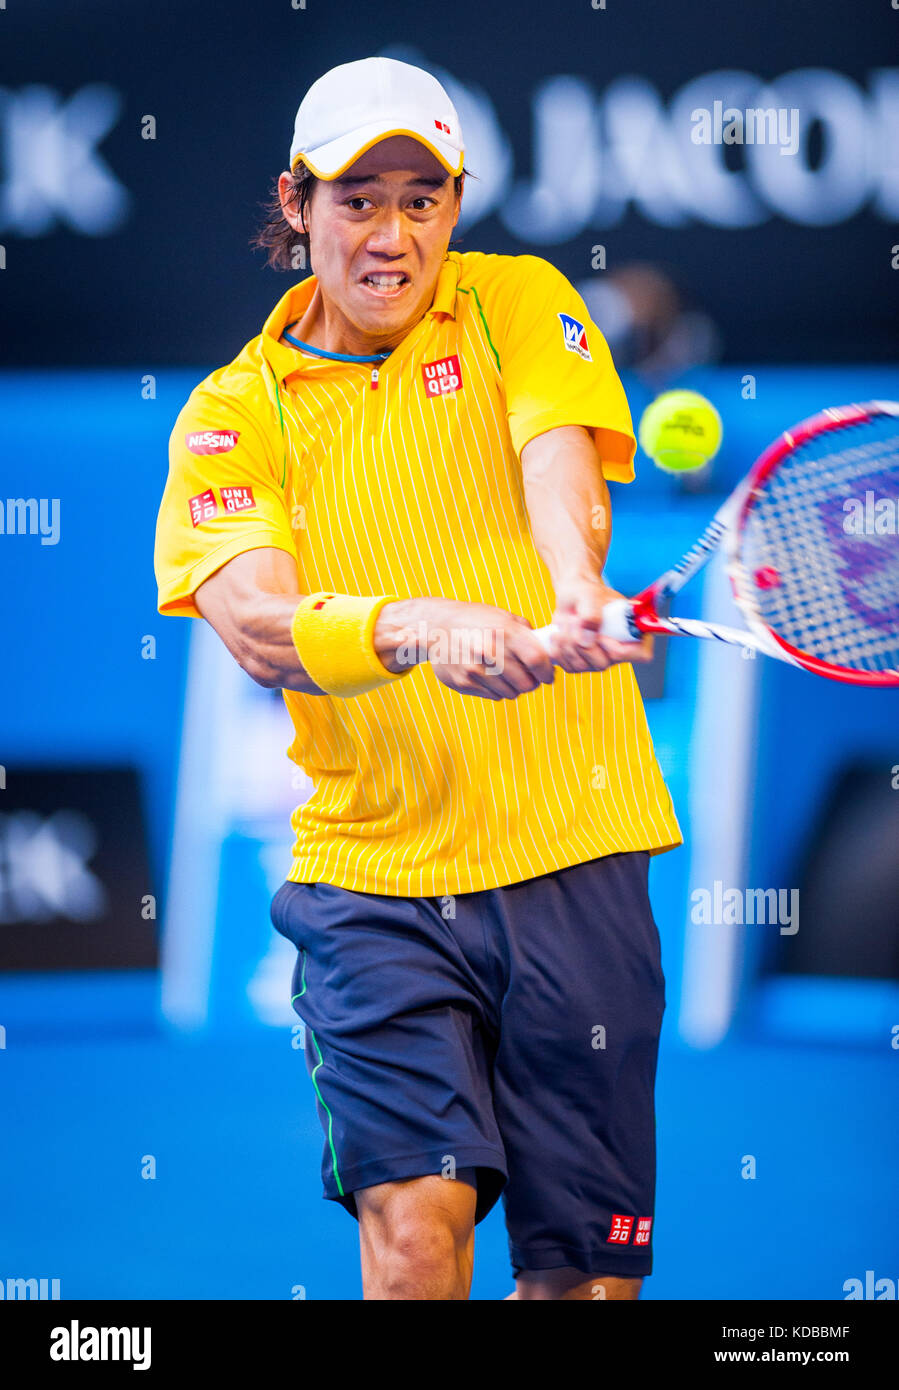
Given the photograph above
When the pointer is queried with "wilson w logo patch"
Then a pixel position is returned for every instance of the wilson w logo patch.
(575, 336)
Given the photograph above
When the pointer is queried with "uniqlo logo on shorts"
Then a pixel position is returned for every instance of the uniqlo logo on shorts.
(212, 441)
(443, 376)
(202, 507)
(620, 1232)
(644, 1230)
(238, 499)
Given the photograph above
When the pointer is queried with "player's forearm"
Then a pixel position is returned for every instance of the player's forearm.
(251, 602)
(402, 633)
(258, 631)
(259, 636)
(568, 503)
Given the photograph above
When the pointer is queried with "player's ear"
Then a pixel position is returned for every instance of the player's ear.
(289, 201)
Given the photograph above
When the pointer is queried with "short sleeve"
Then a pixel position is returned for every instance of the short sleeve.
(222, 497)
(556, 366)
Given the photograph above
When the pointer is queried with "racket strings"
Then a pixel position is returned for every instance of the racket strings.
(819, 559)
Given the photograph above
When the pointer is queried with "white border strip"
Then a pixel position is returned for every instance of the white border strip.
(201, 810)
(722, 764)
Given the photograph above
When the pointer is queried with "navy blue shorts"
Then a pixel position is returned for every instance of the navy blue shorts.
(513, 1030)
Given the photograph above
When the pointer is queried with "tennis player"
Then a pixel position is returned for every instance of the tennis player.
(374, 505)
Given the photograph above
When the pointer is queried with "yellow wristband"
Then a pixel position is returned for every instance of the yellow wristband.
(333, 636)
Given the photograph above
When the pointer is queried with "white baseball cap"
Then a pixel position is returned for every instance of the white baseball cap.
(355, 105)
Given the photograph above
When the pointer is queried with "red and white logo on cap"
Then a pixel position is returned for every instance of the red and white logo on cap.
(442, 125)
(212, 441)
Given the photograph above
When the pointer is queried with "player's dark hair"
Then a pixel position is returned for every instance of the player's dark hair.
(287, 249)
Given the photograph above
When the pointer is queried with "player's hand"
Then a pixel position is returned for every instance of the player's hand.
(576, 644)
(473, 648)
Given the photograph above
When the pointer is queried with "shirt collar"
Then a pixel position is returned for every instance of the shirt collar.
(291, 306)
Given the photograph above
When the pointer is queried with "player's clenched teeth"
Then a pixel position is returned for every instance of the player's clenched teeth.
(386, 282)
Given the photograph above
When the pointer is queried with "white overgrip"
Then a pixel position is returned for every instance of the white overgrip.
(615, 624)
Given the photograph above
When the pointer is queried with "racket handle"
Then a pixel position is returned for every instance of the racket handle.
(617, 623)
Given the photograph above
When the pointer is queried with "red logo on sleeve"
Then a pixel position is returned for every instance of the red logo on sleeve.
(644, 1230)
(212, 441)
(443, 376)
(202, 507)
(238, 499)
(620, 1230)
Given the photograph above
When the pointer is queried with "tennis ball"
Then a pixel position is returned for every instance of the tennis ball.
(680, 430)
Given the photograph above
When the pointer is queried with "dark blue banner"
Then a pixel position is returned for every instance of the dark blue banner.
(742, 156)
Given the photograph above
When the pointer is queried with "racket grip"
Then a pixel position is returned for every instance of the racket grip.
(617, 623)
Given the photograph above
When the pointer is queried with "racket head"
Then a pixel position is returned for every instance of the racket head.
(807, 564)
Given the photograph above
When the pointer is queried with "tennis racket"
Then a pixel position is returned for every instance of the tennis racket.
(811, 539)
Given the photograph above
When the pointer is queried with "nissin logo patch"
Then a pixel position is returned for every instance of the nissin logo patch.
(212, 441)
(575, 336)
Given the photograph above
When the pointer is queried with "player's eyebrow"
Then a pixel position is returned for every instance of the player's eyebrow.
(425, 180)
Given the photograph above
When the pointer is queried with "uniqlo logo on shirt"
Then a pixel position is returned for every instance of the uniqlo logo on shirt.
(238, 499)
(620, 1232)
(443, 376)
(202, 507)
(644, 1230)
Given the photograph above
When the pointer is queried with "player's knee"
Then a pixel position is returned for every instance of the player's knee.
(418, 1233)
(420, 1257)
(426, 1241)
(429, 1229)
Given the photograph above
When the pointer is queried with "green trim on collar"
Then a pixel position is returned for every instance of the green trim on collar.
(484, 322)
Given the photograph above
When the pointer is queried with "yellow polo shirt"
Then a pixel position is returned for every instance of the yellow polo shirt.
(410, 483)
